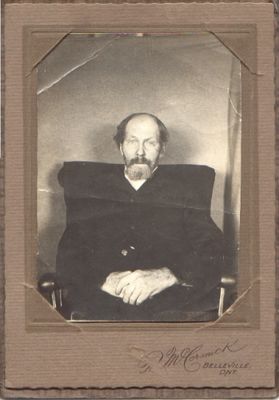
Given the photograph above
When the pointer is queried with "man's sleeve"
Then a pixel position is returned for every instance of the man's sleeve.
(202, 264)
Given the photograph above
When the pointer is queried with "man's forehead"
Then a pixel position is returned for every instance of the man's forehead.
(142, 124)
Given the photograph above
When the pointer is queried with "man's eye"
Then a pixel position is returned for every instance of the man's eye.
(152, 143)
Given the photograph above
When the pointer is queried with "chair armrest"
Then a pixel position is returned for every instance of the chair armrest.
(49, 288)
(227, 282)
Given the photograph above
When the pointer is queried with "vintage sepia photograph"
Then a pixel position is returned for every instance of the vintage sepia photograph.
(138, 177)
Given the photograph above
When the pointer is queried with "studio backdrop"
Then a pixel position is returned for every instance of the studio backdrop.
(89, 83)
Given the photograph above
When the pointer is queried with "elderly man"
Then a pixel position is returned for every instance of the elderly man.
(138, 244)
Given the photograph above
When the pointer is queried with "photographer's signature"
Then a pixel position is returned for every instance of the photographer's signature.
(191, 359)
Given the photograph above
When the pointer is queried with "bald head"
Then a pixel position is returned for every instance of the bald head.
(143, 126)
(121, 129)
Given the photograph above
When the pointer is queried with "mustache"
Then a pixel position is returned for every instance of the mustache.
(139, 160)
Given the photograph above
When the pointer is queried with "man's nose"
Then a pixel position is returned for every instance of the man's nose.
(140, 149)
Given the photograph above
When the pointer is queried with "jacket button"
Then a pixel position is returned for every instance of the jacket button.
(124, 252)
(133, 227)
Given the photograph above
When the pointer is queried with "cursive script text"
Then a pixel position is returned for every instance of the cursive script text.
(190, 359)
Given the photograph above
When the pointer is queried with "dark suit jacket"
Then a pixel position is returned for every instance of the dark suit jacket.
(113, 227)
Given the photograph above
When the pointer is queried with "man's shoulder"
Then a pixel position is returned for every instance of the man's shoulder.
(83, 170)
(177, 184)
(186, 172)
(185, 185)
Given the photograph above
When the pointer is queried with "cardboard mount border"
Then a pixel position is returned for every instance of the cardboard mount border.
(133, 392)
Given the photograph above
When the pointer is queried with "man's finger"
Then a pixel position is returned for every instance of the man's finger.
(153, 292)
(124, 282)
(142, 298)
(126, 293)
(128, 288)
(122, 274)
(134, 296)
(112, 281)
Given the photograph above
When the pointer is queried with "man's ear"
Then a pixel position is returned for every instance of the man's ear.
(162, 151)
(120, 148)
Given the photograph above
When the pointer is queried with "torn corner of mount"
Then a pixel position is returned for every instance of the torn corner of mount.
(64, 35)
(233, 51)
(233, 307)
(45, 302)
